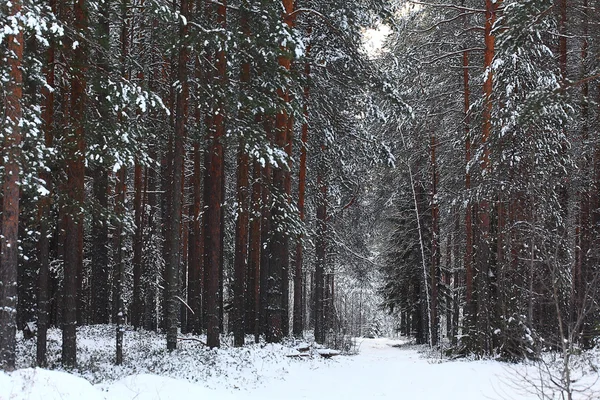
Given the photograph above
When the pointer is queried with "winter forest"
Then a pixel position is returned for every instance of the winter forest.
(192, 187)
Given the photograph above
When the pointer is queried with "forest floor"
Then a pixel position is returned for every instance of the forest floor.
(382, 369)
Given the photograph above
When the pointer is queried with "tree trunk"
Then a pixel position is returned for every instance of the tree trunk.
(484, 247)
(254, 257)
(321, 252)
(280, 243)
(469, 311)
(138, 204)
(75, 191)
(213, 189)
(435, 247)
(241, 227)
(174, 238)
(10, 210)
(298, 325)
(119, 274)
(44, 210)
(195, 256)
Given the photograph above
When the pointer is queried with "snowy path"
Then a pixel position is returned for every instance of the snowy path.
(380, 371)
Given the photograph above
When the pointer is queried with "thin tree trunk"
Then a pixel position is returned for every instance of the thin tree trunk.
(435, 246)
(119, 275)
(174, 238)
(10, 202)
(195, 282)
(138, 204)
(241, 228)
(44, 210)
(265, 232)
(254, 256)
(469, 312)
(298, 325)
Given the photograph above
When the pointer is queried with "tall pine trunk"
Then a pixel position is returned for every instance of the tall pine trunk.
(214, 190)
(44, 210)
(10, 206)
(75, 191)
(298, 324)
(174, 239)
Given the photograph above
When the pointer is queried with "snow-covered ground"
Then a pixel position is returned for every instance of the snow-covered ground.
(383, 369)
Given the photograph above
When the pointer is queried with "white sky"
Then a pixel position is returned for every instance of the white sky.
(373, 39)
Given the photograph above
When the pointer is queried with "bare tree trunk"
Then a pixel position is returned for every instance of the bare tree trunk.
(435, 247)
(484, 251)
(195, 257)
(321, 253)
(298, 325)
(44, 210)
(469, 312)
(280, 243)
(119, 274)
(174, 238)
(213, 186)
(138, 204)
(10, 209)
(254, 251)
(75, 190)
(241, 227)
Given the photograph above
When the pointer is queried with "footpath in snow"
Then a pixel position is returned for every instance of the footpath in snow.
(384, 369)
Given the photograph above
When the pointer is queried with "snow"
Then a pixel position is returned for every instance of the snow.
(383, 369)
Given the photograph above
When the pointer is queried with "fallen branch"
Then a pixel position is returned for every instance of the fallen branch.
(183, 339)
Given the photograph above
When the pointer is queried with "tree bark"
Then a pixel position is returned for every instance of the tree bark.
(241, 228)
(213, 186)
(75, 191)
(298, 324)
(174, 238)
(10, 208)
(44, 209)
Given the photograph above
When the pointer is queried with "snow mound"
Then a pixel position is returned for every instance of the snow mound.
(155, 387)
(41, 384)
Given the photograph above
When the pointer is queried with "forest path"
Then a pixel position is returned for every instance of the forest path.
(384, 369)
(387, 369)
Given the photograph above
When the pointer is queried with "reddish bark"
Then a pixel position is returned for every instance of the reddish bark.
(213, 187)
(10, 201)
(174, 239)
